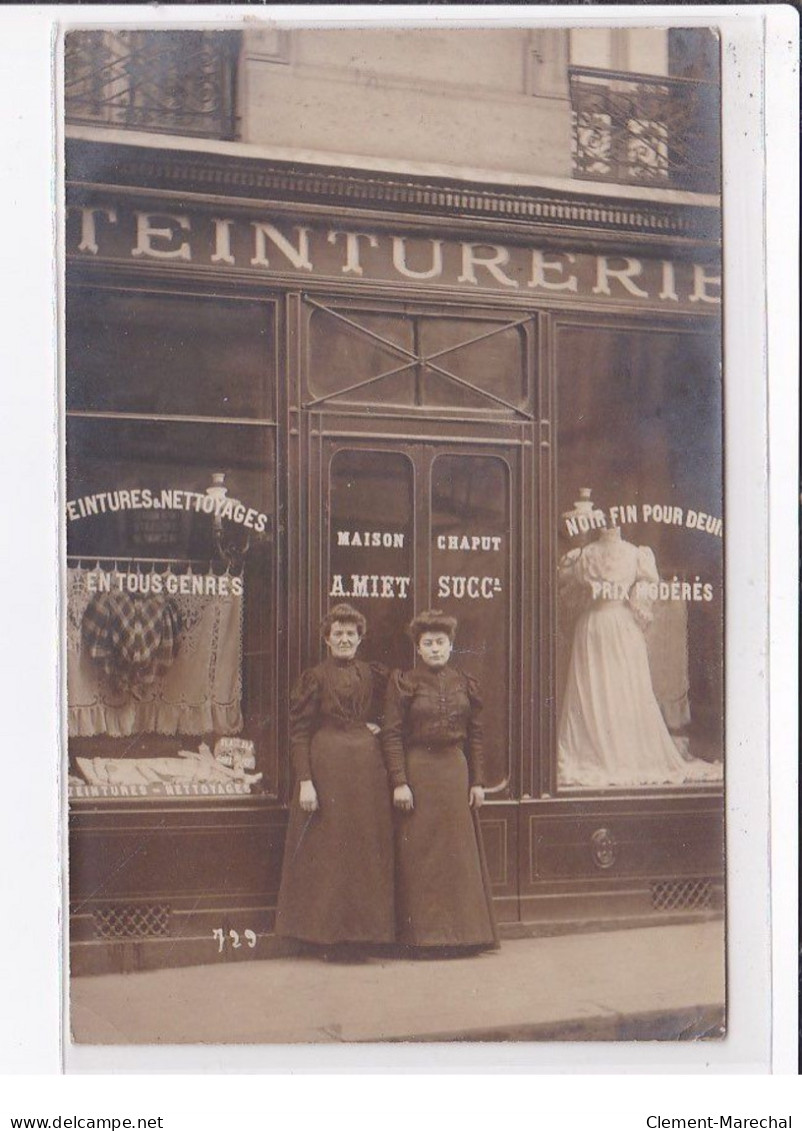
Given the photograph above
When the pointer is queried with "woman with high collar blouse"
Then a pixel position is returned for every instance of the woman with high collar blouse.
(432, 742)
(337, 879)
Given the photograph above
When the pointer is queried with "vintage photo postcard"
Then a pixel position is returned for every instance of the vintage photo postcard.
(394, 533)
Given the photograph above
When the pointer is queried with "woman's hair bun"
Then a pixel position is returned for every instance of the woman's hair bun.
(432, 620)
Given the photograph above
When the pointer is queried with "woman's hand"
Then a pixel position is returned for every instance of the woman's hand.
(477, 797)
(374, 728)
(308, 797)
(402, 798)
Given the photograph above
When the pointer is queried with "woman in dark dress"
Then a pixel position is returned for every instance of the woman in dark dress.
(432, 741)
(337, 879)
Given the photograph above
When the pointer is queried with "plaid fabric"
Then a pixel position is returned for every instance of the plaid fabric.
(133, 639)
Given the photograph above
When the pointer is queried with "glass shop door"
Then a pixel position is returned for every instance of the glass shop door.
(410, 525)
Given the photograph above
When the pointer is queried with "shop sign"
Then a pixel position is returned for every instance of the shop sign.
(268, 245)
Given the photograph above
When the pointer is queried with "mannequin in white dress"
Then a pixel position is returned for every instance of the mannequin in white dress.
(612, 732)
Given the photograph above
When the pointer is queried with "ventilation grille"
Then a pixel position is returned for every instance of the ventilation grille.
(118, 921)
(682, 895)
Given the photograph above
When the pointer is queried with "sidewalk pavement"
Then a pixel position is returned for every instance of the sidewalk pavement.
(658, 983)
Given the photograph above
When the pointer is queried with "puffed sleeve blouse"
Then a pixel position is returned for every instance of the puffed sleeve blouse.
(432, 709)
(333, 692)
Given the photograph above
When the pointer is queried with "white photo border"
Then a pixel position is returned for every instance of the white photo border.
(31, 819)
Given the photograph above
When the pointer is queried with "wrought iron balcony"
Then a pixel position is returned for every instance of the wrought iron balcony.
(645, 129)
(179, 82)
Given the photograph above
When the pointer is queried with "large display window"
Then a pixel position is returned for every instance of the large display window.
(171, 545)
(640, 558)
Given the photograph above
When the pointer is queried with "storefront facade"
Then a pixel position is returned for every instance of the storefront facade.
(288, 386)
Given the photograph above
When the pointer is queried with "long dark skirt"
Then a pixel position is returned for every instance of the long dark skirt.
(337, 879)
(442, 888)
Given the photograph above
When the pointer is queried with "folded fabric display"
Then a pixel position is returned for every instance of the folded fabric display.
(133, 640)
(195, 687)
(188, 767)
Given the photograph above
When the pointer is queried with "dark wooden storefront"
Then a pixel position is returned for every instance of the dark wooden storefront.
(380, 395)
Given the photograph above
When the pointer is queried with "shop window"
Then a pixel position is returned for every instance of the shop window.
(470, 555)
(114, 455)
(419, 360)
(219, 355)
(640, 559)
(171, 556)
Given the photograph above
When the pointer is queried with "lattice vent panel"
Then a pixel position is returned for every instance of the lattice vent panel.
(145, 921)
(682, 895)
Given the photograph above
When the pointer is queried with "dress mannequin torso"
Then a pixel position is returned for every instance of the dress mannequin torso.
(612, 732)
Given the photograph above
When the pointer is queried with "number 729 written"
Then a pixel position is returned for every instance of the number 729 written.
(225, 938)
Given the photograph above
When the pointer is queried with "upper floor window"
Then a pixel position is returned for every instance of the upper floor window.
(645, 106)
(180, 82)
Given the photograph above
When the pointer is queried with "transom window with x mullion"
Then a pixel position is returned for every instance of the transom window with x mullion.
(421, 360)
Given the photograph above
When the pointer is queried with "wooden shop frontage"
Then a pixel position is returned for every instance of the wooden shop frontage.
(288, 386)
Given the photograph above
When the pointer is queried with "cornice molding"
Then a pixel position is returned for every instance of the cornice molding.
(172, 170)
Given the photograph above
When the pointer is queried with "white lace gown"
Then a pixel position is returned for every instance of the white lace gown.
(612, 732)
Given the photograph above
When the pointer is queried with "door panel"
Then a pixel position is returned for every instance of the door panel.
(371, 543)
(411, 524)
(470, 579)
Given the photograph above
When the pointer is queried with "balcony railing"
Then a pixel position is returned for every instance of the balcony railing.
(645, 129)
(179, 82)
